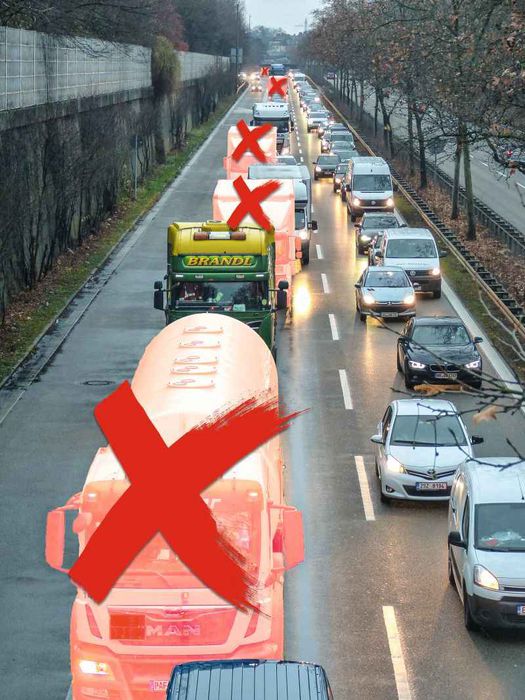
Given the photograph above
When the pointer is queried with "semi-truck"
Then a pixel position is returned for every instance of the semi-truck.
(213, 269)
(267, 143)
(277, 114)
(278, 207)
(304, 224)
(159, 614)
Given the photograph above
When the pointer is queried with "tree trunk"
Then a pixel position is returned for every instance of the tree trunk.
(455, 186)
(423, 179)
(376, 110)
(469, 193)
(361, 100)
(410, 125)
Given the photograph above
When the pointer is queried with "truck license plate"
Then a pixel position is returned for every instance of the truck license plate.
(431, 486)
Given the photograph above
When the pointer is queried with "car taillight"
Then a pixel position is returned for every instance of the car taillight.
(93, 626)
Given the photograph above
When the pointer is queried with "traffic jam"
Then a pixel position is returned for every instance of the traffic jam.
(262, 315)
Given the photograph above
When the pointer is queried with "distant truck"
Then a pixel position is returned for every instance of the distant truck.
(213, 269)
(300, 174)
(277, 114)
(159, 614)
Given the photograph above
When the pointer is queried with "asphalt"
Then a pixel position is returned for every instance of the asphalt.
(354, 567)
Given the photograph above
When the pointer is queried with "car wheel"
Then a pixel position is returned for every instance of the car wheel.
(315, 176)
(436, 294)
(343, 195)
(306, 256)
(362, 317)
(383, 497)
(408, 383)
(470, 622)
(399, 365)
(360, 250)
(451, 578)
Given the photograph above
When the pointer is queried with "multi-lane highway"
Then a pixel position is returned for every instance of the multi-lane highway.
(371, 601)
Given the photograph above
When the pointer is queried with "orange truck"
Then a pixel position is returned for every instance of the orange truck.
(279, 207)
(267, 143)
(159, 614)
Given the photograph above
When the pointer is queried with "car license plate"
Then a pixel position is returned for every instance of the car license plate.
(520, 610)
(431, 486)
(446, 375)
(389, 314)
(158, 686)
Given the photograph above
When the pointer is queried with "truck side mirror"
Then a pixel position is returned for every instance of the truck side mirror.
(55, 535)
(293, 538)
(283, 285)
(158, 297)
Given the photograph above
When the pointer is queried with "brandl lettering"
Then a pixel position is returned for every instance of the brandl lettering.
(193, 260)
(237, 260)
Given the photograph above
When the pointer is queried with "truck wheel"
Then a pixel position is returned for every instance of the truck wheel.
(306, 256)
(436, 294)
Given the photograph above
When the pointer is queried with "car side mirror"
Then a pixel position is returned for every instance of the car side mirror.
(403, 225)
(314, 225)
(377, 439)
(283, 285)
(455, 539)
(478, 339)
(416, 285)
(379, 254)
(357, 285)
(476, 440)
(443, 253)
(347, 188)
(158, 300)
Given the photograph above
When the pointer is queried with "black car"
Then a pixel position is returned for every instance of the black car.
(338, 176)
(371, 224)
(325, 166)
(438, 349)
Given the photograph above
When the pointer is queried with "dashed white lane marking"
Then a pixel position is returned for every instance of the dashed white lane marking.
(365, 488)
(520, 185)
(333, 327)
(345, 388)
(396, 653)
(319, 252)
(326, 286)
(485, 164)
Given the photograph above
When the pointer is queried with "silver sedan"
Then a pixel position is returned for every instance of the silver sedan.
(385, 292)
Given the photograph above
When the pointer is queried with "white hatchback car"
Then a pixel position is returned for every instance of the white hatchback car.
(420, 445)
(486, 542)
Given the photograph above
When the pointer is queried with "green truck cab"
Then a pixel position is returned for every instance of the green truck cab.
(215, 269)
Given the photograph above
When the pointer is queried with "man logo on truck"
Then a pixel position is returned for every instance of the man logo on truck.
(218, 260)
(184, 629)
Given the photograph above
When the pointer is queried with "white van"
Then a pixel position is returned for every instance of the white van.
(486, 542)
(415, 250)
(368, 185)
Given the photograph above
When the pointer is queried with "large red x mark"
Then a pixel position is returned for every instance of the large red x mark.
(250, 139)
(265, 70)
(163, 496)
(277, 86)
(249, 203)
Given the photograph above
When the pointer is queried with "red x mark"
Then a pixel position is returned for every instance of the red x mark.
(163, 496)
(277, 86)
(250, 139)
(249, 203)
(265, 70)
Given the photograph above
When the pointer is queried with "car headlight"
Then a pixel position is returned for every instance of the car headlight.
(475, 364)
(416, 365)
(94, 668)
(390, 202)
(410, 299)
(483, 578)
(435, 271)
(356, 202)
(338, 180)
(394, 466)
(368, 298)
(318, 168)
(304, 234)
(363, 237)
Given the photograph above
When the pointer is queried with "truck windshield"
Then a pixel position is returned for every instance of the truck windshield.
(234, 295)
(500, 527)
(372, 183)
(283, 124)
(300, 219)
(411, 248)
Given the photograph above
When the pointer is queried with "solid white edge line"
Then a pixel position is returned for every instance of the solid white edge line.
(396, 653)
(324, 280)
(365, 488)
(319, 252)
(333, 327)
(345, 388)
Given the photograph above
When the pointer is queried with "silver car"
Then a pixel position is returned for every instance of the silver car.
(385, 292)
(420, 445)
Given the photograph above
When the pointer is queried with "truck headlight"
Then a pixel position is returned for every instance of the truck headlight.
(94, 668)
(390, 202)
(356, 202)
(410, 299)
(318, 168)
(483, 578)
(368, 298)
(394, 466)
(416, 365)
(475, 364)
(435, 272)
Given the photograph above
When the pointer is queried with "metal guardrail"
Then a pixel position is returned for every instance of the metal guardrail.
(496, 292)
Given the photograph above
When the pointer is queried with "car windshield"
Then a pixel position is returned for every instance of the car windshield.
(328, 160)
(500, 527)
(387, 278)
(411, 248)
(342, 136)
(341, 145)
(428, 430)
(341, 168)
(379, 222)
(442, 334)
(300, 219)
(230, 296)
(372, 183)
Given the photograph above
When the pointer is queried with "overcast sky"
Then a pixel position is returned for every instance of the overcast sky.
(281, 13)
